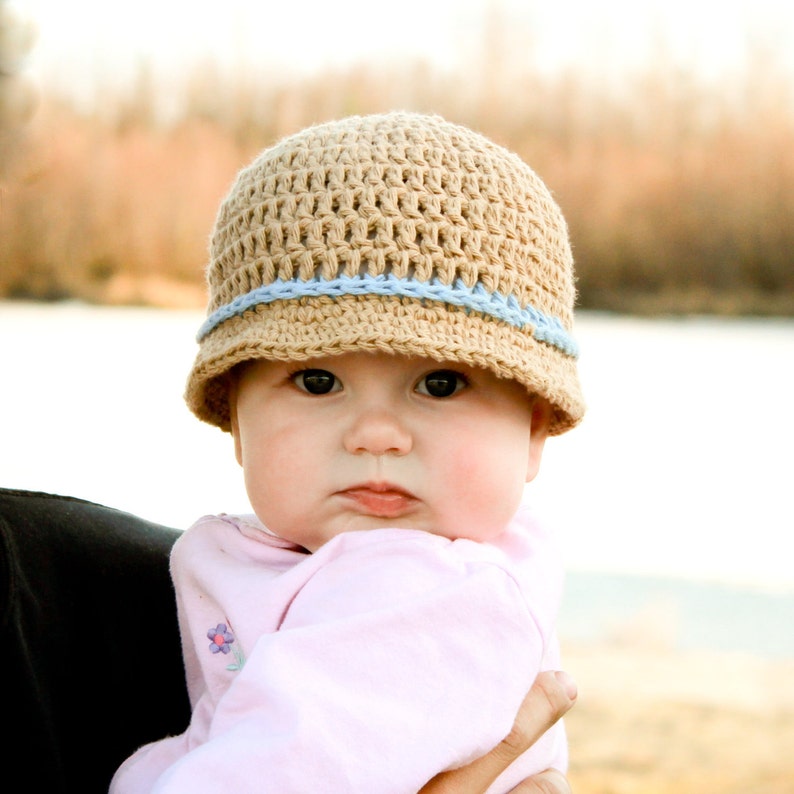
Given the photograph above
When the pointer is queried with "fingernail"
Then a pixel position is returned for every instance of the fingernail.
(567, 683)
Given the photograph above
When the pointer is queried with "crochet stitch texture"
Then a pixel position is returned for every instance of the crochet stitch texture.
(401, 233)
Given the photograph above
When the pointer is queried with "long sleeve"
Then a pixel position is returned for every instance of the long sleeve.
(392, 655)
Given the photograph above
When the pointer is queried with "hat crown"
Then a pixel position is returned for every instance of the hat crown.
(402, 194)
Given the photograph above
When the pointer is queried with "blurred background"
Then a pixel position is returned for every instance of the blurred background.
(665, 131)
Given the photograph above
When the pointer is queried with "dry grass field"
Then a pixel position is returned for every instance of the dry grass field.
(656, 722)
(679, 194)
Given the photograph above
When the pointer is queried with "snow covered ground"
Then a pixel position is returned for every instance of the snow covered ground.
(682, 467)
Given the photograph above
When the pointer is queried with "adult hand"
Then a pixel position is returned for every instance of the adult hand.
(551, 696)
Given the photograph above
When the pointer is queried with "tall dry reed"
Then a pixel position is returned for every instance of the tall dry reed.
(679, 195)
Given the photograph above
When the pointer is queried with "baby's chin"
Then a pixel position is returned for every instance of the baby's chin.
(477, 535)
(361, 524)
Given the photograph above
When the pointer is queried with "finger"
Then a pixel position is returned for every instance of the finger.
(551, 696)
(549, 782)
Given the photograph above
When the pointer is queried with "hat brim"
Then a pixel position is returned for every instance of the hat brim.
(314, 327)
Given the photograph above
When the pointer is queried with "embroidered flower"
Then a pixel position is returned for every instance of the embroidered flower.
(221, 638)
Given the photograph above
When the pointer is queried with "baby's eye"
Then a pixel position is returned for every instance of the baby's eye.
(316, 381)
(441, 383)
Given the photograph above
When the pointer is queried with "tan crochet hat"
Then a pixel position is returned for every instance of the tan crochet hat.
(400, 233)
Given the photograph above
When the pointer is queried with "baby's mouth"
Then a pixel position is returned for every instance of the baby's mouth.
(382, 500)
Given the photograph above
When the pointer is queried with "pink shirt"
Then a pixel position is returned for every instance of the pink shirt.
(369, 666)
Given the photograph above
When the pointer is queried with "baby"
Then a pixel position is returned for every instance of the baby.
(389, 344)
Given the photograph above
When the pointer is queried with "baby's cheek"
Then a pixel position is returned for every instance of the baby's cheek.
(490, 484)
(464, 461)
(270, 483)
(472, 484)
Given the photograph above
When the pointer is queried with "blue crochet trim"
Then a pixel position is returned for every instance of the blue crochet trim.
(477, 299)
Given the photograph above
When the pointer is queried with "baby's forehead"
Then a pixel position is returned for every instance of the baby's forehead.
(367, 359)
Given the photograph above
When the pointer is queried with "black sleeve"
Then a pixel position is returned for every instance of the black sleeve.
(91, 661)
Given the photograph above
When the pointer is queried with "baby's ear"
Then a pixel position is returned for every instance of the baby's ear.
(541, 421)
(235, 424)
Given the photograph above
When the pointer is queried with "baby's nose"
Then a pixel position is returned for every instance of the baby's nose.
(378, 432)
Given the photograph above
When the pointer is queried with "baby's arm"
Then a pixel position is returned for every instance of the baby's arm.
(393, 661)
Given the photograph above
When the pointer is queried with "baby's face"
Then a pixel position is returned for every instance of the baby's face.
(369, 440)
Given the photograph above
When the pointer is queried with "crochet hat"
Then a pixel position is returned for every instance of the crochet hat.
(400, 233)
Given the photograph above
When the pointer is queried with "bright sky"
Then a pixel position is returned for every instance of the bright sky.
(82, 40)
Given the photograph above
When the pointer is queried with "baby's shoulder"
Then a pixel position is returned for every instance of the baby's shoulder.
(241, 537)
